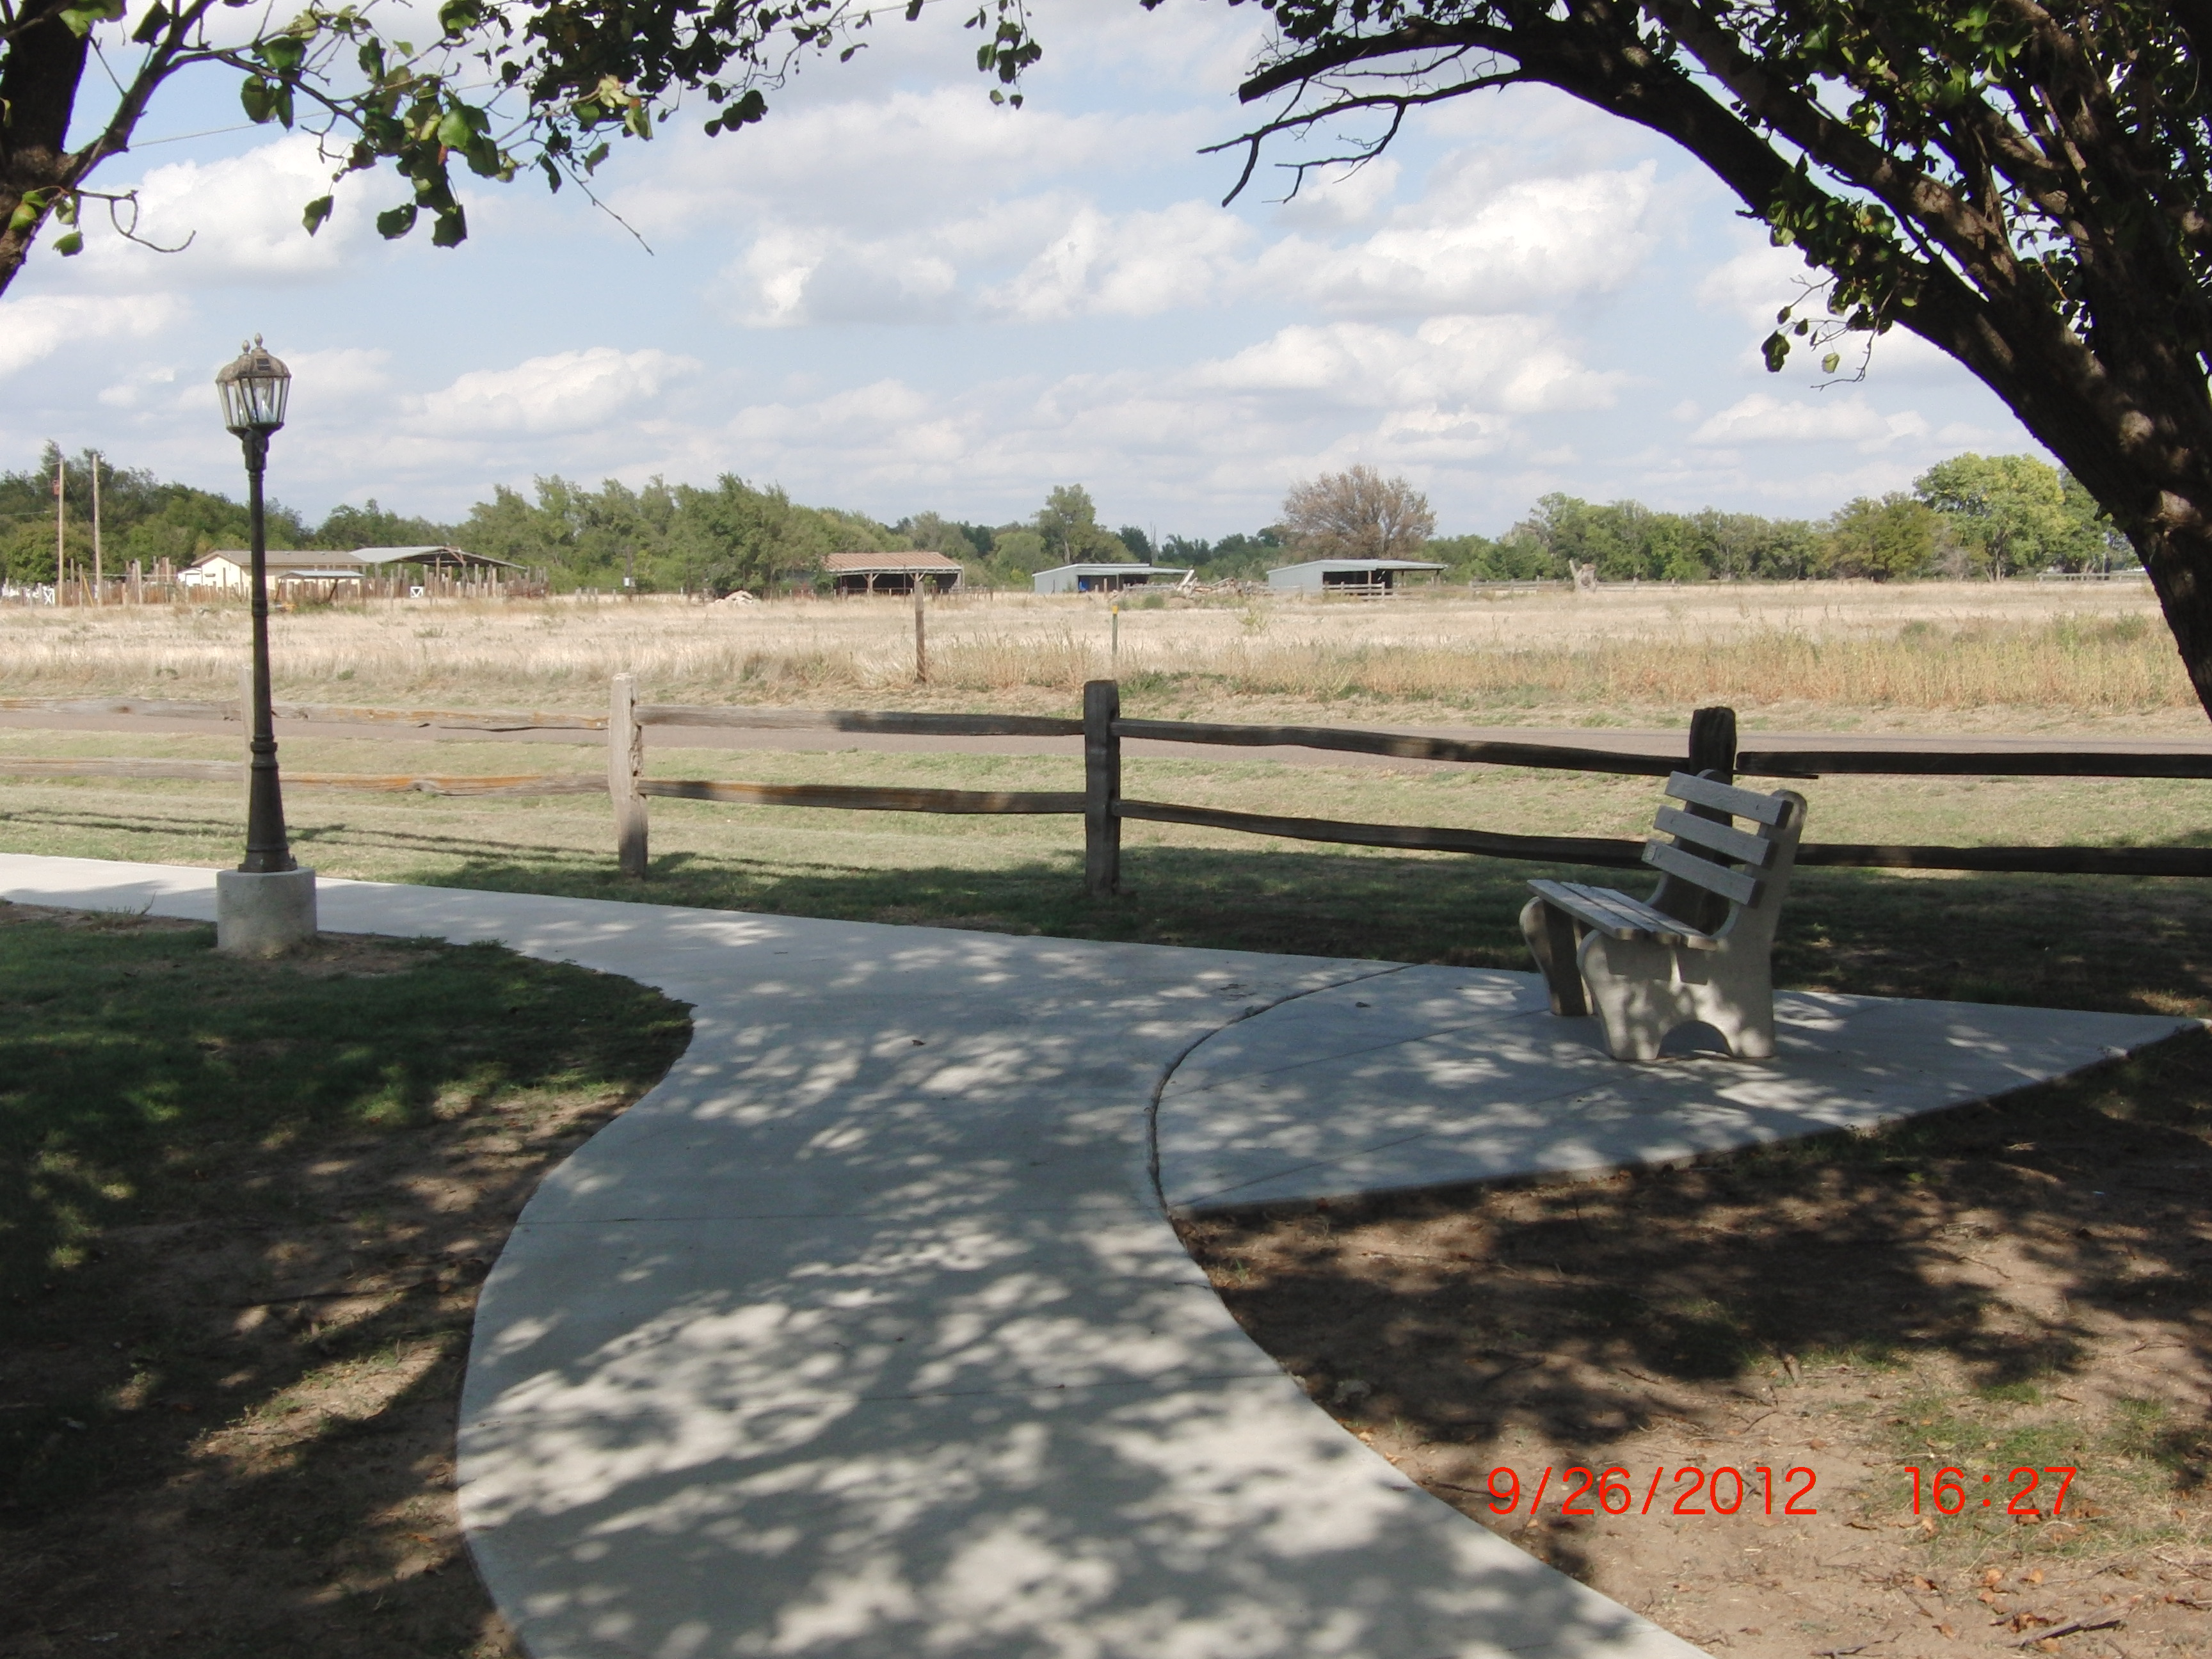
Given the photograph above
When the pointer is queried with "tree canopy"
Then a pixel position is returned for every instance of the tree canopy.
(537, 86)
(1356, 513)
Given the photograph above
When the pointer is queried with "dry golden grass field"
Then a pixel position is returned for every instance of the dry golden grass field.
(2019, 656)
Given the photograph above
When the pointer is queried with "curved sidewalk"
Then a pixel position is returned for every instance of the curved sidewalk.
(864, 1334)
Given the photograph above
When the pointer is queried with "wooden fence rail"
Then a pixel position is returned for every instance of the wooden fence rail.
(1711, 746)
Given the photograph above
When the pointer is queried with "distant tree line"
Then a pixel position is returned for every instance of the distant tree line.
(1972, 515)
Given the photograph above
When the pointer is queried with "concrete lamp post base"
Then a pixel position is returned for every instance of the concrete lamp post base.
(263, 915)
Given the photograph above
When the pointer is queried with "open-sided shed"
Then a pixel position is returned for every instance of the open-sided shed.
(1366, 576)
(892, 572)
(1103, 578)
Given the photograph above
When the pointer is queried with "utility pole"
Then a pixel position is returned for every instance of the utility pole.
(61, 522)
(99, 574)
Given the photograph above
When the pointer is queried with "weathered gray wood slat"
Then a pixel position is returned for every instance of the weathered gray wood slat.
(1555, 849)
(1618, 916)
(859, 799)
(1703, 873)
(1724, 838)
(860, 720)
(1608, 912)
(1403, 745)
(1974, 762)
(1726, 798)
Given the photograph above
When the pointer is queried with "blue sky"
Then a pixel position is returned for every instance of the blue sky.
(894, 296)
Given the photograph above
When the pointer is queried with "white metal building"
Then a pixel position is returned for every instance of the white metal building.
(1104, 578)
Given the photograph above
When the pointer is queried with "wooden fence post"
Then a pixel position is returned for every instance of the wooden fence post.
(1712, 743)
(921, 636)
(1101, 789)
(625, 764)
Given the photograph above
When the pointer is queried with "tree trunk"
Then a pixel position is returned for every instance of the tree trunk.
(38, 91)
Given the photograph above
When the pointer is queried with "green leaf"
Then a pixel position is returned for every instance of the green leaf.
(450, 230)
(1828, 363)
(317, 210)
(459, 16)
(282, 52)
(257, 98)
(29, 210)
(70, 245)
(395, 222)
(454, 129)
(79, 20)
(1776, 347)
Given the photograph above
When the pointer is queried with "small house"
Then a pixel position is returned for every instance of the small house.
(1368, 578)
(1104, 578)
(892, 572)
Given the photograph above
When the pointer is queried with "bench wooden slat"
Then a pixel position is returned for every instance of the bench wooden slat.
(1738, 803)
(1600, 907)
(1721, 837)
(1618, 916)
(1732, 885)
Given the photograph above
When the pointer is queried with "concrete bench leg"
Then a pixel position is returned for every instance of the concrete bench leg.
(1555, 940)
(1643, 990)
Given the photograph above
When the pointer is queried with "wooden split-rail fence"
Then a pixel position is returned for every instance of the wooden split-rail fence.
(1712, 746)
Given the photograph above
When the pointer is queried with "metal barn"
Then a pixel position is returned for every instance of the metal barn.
(1103, 578)
(1367, 577)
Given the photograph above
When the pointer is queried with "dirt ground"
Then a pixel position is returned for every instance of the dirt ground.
(246, 1406)
(2020, 1284)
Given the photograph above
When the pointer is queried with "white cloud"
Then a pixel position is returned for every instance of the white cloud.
(1474, 243)
(232, 220)
(1336, 198)
(904, 163)
(1138, 264)
(1762, 419)
(793, 276)
(39, 325)
(568, 392)
(1509, 364)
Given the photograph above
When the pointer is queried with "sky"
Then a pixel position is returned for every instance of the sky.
(893, 296)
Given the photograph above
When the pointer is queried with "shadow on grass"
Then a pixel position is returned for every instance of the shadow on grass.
(2105, 943)
(243, 1209)
(1586, 1314)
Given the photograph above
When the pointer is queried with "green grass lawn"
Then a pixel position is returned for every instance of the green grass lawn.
(2081, 942)
(244, 1206)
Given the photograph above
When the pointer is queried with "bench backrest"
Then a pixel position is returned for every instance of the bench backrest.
(1748, 869)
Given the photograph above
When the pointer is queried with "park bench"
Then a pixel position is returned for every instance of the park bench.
(1700, 950)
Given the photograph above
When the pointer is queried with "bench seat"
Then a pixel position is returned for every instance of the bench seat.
(1618, 916)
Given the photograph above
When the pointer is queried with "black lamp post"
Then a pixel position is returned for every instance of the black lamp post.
(254, 388)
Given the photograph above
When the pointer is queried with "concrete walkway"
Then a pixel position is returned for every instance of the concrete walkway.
(863, 1335)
